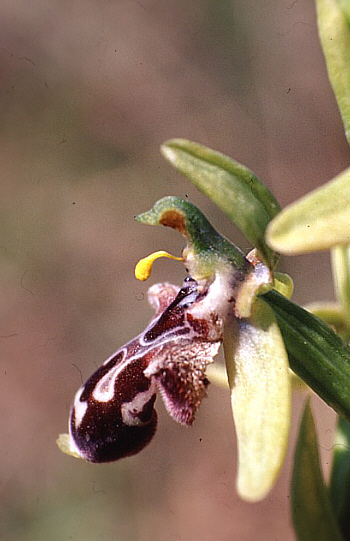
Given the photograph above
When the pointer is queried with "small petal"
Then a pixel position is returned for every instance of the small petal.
(160, 296)
(258, 281)
(257, 367)
(283, 283)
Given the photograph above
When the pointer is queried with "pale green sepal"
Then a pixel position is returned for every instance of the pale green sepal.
(66, 445)
(341, 276)
(233, 187)
(257, 368)
(312, 513)
(334, 35)
(339, 487)
(318, 221)
(283, 283)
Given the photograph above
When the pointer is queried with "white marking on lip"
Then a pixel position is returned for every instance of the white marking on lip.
(79, 408)
(131, 410)
(105, 388)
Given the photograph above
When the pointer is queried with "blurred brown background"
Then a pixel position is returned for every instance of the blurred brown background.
(89, 90)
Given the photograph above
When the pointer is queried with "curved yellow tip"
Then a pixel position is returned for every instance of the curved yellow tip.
(143, 268)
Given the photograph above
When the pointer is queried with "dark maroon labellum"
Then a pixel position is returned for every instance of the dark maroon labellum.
(113, 414)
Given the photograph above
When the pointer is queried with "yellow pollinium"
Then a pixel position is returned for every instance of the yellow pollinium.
(143, 268)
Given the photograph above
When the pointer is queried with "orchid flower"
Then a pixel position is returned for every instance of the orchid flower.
(227, 298)
(113, 413)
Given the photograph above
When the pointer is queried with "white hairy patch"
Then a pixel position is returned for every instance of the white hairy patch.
(218, 299)
(130, 410)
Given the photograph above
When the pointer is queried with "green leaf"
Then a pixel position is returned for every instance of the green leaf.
(312, 513)
(339, 489)
(258, 374)
(318, 221)
(316, 352)
(233, 187)
(334, 34)
(341, 275)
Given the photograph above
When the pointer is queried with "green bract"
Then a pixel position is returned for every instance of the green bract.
(312, 512)
(316, 353)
